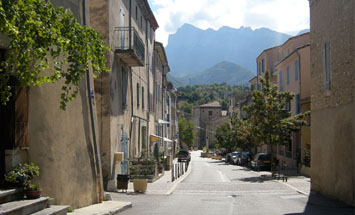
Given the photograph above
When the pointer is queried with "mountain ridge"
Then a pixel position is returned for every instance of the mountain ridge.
(191, 50)
(222, 72)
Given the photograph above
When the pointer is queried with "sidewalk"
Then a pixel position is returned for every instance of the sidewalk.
(296, 181)
(164, 185)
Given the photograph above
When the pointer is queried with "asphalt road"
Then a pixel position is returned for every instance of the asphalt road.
(214, 187)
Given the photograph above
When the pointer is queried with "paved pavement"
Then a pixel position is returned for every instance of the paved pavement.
(164, 185)
(214, 187)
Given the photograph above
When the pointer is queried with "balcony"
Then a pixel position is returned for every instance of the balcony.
(129, 46)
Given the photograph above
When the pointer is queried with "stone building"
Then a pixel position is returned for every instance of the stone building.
(122, 96)
(206, 118)
(332, 95)
(289, 66)
(293, 75)
(62, 143)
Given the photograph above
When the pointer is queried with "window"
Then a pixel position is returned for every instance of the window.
(209, 113)
(137, 95)
(297, 103)
(142, 97)
(326, 66)
(141, 22)
(280, 81)
(288, 106)
(262, 66)
(288, 75)
(259, 71)
(296, 70)
(144, 134)
(136, 12)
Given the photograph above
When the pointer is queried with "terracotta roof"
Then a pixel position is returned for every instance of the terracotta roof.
(212, 104)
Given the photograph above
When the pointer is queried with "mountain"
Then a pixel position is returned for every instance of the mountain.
(223, 72)
(303, 31)
(191, 50)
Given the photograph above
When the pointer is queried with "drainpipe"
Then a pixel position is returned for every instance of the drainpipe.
(96, 151)
(132, 113)
(162, 103)
(148, 90)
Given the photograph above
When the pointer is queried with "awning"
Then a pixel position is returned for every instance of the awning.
(160, 121)
(154, 138)
(167, 140)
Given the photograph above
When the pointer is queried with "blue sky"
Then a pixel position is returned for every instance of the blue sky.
(286, 16)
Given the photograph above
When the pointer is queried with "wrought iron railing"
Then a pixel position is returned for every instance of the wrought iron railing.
(127, 39)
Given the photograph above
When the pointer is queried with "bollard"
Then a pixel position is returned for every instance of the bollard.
(172, 173)
(178, 171)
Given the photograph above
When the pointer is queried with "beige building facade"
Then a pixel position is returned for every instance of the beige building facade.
(61, 143)
(332, 95)
(293, 75)
(123, 102)
(289, 66)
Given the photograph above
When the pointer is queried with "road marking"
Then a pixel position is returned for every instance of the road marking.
(223, 177)
(207, 164)
(294, 188)
(293, 197)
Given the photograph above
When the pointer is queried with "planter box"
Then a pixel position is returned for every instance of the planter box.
(140, 185)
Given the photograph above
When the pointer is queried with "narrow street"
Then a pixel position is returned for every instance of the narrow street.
(214, 187)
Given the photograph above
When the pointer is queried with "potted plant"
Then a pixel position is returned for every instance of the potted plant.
(141, 169)
(22, 175)
(33, 191)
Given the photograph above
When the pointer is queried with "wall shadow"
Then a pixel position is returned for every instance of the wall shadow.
(318, 204)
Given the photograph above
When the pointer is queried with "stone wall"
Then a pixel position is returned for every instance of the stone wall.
(332, 122)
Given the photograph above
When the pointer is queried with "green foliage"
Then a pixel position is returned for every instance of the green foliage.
(33, 187)
(46, 38)
(22, 175)
(224, 136)
(270, 122)
(202, 94)
(234, 133)
(186, 134)
(142, 167)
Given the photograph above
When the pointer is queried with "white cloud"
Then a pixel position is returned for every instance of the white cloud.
(286, 16)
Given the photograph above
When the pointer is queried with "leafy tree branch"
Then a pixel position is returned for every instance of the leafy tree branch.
(42, 37)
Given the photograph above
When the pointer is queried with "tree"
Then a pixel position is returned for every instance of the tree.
(225, 137)
(270, 122)
(186, 134)
(42, 37)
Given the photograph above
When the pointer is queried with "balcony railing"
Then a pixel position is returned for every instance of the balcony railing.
(129, 46)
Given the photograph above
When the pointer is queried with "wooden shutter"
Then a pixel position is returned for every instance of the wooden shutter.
(21, 117)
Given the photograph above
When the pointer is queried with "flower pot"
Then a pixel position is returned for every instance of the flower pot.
(140, 185)
(33, 194)
(122, 181)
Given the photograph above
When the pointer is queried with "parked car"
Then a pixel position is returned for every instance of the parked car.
(228, 158)
(235, 157)
(183, 156)
(261, 161)
(244, 158)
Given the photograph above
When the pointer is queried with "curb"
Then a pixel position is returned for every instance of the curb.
(124, 207)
